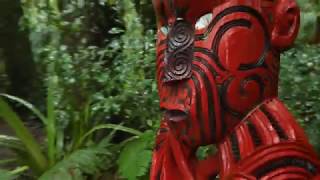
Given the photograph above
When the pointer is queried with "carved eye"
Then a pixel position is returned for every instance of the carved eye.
(203, 21)
(164, 30)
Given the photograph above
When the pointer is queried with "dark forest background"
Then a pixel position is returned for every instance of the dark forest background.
(79, 97)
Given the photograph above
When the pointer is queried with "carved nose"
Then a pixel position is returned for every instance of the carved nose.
(175, 115)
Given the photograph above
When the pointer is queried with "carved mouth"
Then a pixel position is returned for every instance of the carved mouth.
(176, 115)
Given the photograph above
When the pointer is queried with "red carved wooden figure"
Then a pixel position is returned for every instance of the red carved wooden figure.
(217, 74)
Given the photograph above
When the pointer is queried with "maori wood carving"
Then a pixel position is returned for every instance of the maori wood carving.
(217, 73)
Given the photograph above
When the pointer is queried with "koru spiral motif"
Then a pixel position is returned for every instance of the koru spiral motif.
(217, 75)
(179, 53)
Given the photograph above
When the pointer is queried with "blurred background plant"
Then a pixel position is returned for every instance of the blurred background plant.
(85, 71)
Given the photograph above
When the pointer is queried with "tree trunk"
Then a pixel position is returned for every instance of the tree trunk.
(14, 42)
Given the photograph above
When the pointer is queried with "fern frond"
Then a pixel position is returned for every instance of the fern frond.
(82, 162)
(135, 157)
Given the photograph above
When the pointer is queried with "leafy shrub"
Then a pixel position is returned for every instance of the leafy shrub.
(83, 159)
(300, 87)
(310, 21)
(89, 84)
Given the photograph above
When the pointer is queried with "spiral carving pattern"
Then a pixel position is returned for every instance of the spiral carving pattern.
(179, 53)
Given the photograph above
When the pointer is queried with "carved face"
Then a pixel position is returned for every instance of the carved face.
(216, 61)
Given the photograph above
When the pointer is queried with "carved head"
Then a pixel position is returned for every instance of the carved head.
(217, 60)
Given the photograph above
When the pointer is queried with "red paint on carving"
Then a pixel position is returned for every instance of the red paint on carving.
(230, 96)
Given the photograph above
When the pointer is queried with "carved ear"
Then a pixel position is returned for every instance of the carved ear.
(286, 24)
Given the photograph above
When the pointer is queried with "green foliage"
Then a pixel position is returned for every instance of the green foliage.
(310, 21)
(6, 175)
(97, 65)
(308, 27)
(78, 164)
(37, 159)
(27, 105)
(132, 71)
(135, 158)
(89, 83)
(116, 78)
(204, 151)
(11, 143)
(300, 87)
(75, 163)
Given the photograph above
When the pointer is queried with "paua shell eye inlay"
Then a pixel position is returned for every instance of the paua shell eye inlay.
(179, 52)
(164, 30)
(203, 21)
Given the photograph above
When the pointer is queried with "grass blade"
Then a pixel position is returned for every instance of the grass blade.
(8, 161)
(39, 163)
(12, 143)
(117, 127)
(51, 122)
(27, 105)
(19, 170)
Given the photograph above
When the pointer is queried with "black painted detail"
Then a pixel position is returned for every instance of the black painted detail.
(171, 5)
(282, 163)
(189, 95)
(242, 91)
(158, 145)
(232, 24)
(211, 109)
(223, 125)
(235, 146)
(224, 28)
(281, 133)
(199, 108)
(208, 66)
(254, 134)
(213, 177)
(212, 56)
(159, 175)
(253, 12)
(163, 130)
(223, 98)
(257, 79)
(231, 10)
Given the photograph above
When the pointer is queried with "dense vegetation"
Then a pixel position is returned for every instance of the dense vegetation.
(81, 75)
